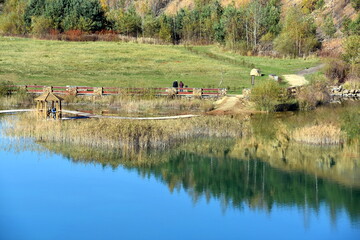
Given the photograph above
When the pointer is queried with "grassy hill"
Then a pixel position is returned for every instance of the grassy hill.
(42, 62)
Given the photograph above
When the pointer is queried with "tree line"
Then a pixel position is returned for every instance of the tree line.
(253, 27)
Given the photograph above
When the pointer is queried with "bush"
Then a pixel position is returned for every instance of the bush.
(41, 25)
(314, 94)
(336, 70)
(329, 27)
(355, 4)
(266, 95)
(352, 83)
(11, 20)
(5, 90)
(352, 49)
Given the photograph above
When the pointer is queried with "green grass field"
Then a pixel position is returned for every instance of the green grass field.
(58, 63)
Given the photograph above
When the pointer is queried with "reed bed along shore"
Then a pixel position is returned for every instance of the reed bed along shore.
(129, 134)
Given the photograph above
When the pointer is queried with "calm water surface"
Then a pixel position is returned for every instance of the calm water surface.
(45, 193)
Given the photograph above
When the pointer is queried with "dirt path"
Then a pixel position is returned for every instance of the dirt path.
(232, 105)
(298, 79)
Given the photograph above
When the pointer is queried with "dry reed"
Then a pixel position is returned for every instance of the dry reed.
(139, 104)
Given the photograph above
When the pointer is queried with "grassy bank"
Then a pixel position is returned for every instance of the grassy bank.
(29, 61)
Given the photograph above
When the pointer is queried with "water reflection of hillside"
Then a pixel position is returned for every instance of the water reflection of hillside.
(236, 175)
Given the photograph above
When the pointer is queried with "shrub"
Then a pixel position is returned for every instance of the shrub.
(41, 25)
(73, 35)
(314, 94)
(329, 27)
(336, 70)
(352, 83)
(5, 90)
(11, 20)
(352, 49)
(308, 5)
(266, 95)
(355, 4)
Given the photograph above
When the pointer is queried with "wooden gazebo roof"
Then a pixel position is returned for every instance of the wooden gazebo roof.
(49, 97)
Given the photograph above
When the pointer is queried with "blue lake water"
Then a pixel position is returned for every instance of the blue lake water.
(47, 195)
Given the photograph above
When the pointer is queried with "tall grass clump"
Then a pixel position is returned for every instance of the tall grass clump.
(13, 97)
(130, 104)
(5, 89)
(267, 95)
(319, 134)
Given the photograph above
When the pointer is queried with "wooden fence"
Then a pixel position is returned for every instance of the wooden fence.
(103, 91)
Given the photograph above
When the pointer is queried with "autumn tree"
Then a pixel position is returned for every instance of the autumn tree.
(297, 37)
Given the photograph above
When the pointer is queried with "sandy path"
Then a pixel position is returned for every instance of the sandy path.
(295, 80)
(298, 79)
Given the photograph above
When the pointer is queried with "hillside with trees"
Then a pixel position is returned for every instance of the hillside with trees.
(244, 26)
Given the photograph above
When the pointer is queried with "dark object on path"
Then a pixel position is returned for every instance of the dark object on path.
(175, 84)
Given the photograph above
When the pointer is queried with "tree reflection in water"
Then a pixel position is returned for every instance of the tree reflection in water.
(215, 173)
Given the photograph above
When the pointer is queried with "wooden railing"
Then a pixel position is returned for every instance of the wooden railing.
(101, 91)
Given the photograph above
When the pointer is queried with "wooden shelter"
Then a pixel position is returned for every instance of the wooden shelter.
(49, 105)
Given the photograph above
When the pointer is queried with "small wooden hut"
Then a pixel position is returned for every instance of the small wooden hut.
(49, 104)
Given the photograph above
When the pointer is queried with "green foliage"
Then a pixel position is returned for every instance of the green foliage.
(35, 8)
(41, 25)
(352, 54)
(5, 90)
(266, 95)
(151, 26)
(352, 51)
(271, 17)
(355, 4)
(126, 22)
(207, 22)
(12, 21)
(350, 124)
(329, 27)
(308, 6)
(351, 27)
(319, 4)
(165, 30)
(298, 36)
(67, 14)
